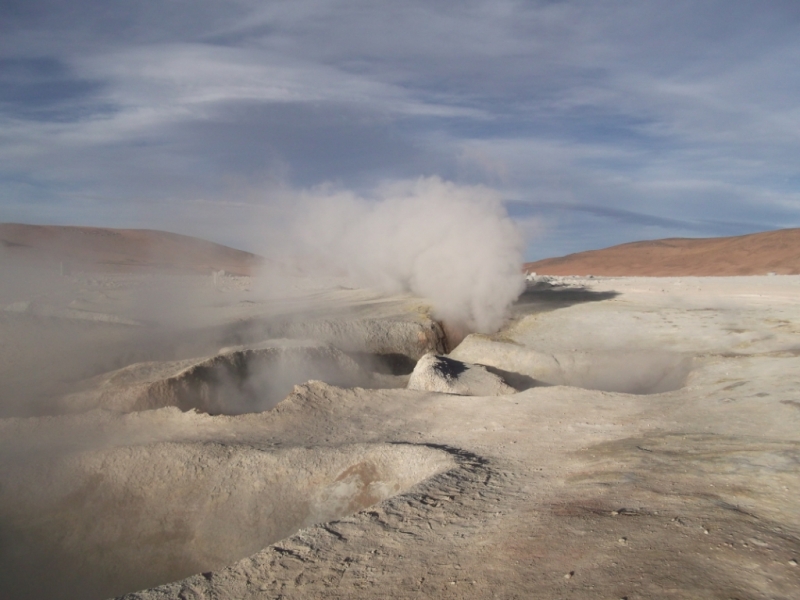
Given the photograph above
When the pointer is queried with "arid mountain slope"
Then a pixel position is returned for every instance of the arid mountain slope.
(122, 249)
(753, 254)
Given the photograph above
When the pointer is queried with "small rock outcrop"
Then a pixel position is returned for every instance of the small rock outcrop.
(437, 373)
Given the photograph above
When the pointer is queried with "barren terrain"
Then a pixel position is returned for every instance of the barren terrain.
(651, 448)
(754, 254)
(121, 250)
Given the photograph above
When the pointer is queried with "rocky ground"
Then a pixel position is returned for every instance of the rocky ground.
(652, 450)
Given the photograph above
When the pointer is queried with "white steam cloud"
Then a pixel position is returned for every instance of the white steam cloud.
(451, 244)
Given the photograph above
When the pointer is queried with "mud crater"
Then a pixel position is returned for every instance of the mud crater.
(238, 380)
(102, 523)
(644, 372)
(613, 370)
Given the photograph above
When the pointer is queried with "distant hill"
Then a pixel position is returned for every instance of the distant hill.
(753, 254)
(128, 250)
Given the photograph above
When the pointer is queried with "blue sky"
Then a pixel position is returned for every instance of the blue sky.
(598, 122)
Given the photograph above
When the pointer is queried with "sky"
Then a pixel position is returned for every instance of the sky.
(597, 122)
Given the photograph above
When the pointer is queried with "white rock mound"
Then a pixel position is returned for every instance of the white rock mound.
(436, 373)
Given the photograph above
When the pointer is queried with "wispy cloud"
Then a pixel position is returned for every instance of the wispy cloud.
(614, 120)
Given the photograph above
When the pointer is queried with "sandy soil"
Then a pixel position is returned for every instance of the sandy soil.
(573, 487)
(754, 254)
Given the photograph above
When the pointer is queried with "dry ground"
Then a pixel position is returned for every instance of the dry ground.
(558, 491)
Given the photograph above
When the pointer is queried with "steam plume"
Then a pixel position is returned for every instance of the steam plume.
(453, 245)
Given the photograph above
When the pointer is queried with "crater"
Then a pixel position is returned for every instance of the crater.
(237, 380)
(107, 522)
(254, 379)
(644, 372)
(613, 370)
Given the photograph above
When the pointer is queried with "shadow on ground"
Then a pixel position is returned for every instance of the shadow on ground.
(544, 296)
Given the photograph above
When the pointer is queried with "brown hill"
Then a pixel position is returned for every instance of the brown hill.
(753, 254)
(130, 250)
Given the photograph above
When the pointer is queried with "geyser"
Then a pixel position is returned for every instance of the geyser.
(451, 244)
(106, 522)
